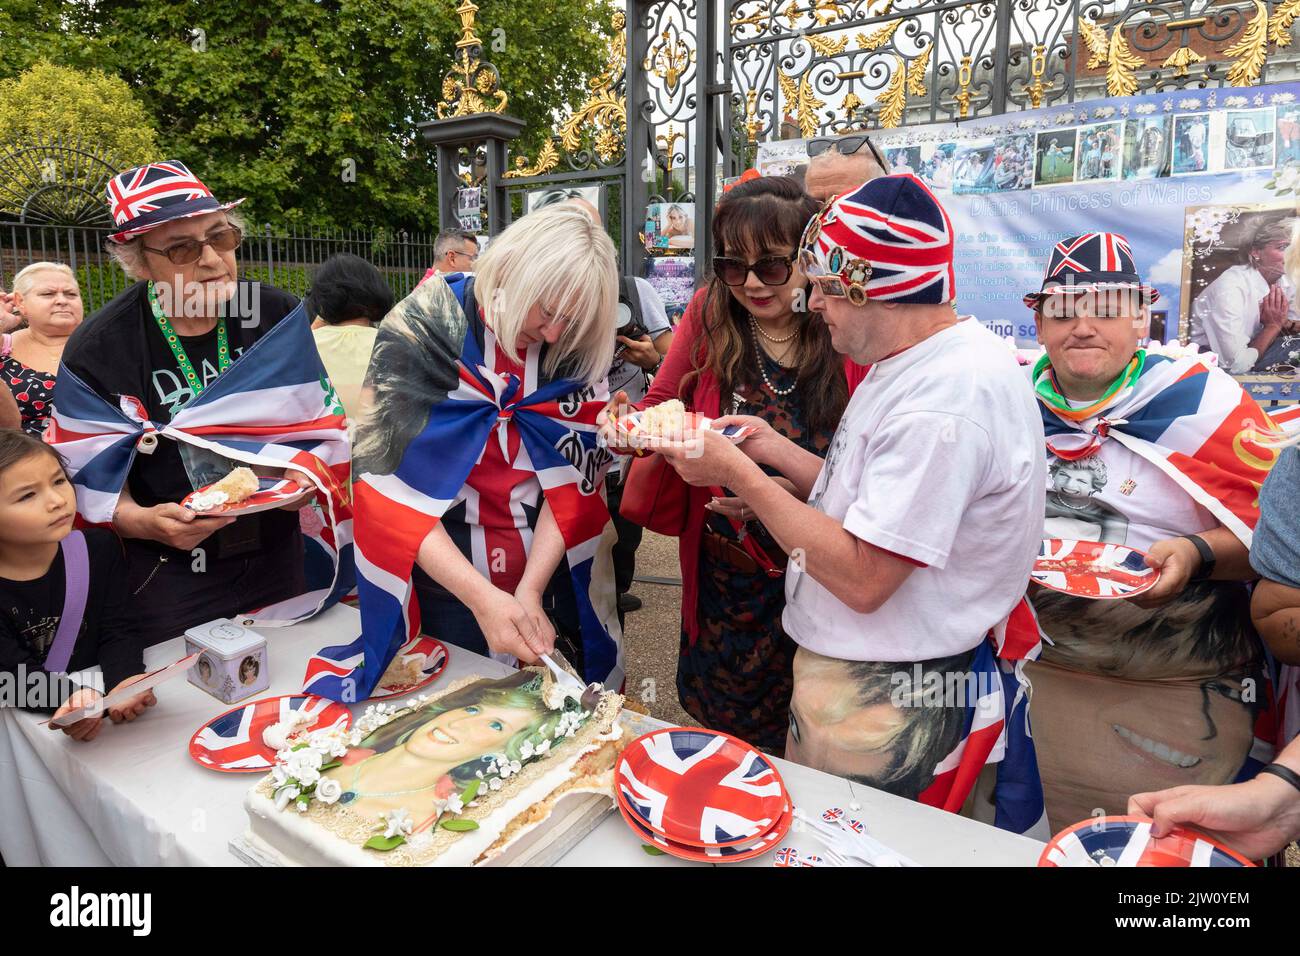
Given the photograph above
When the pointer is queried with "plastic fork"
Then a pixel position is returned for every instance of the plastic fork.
(589, 695)
(878, 853)
(859, 846)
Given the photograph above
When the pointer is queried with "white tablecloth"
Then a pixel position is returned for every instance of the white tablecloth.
(133, 796)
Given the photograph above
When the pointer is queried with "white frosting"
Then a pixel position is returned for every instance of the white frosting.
(556, 694)
(207, 500)
(277, 735)
(298, 841)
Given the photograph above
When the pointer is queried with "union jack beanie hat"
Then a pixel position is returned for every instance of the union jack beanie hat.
(1093, 261)
(147, 196)
(887, 239)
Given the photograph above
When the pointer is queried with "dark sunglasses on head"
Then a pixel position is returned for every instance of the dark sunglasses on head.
(770, 270)
(846, 146)
(189, 250)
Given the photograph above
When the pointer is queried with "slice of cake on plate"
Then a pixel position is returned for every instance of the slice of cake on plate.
(448, 780)
(235, 487)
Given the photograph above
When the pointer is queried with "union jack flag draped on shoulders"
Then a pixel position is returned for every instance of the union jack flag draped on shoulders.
(273, 406)
(441, 403)
(1193, 422)
(1197, 425)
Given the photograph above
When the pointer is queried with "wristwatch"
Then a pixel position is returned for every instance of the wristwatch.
(1207, 557)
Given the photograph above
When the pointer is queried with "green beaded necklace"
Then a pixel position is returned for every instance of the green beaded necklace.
(178, 350)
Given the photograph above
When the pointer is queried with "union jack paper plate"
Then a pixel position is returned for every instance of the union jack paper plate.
(712, 854)
(1127, 841)
(700, 788)
(1092, 569)
(271, 493)
(434, 654)
(232, 742)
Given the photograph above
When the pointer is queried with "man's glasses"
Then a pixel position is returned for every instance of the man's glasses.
(189, 250)
(770, 270)
(846, 146)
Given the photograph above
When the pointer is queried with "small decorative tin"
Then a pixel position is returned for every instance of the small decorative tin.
(233, 662)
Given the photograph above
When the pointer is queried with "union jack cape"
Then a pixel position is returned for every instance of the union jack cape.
(997, 732)
(1199, 426)
(273, 406)
(438, 404)
(1194, 423)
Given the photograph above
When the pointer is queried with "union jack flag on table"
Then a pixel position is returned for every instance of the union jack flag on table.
(233, 741)
(273, 406)
(431, 371)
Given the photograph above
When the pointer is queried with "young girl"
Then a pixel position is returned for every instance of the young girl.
(37, 505)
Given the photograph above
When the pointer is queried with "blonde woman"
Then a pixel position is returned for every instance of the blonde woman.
(47, 300)
(478, 434)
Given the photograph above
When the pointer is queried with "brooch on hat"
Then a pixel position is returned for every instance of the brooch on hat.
(855, 277)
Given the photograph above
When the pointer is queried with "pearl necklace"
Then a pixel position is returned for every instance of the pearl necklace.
(1056, 496)
(762, 368)
(771, 338)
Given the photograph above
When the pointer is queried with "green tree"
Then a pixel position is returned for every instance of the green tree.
(284, 103)
(89, 111)
(55, 101)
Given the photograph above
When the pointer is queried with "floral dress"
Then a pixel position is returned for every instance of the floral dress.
(738, 676)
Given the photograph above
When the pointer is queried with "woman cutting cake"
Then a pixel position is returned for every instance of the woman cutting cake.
(476, 456)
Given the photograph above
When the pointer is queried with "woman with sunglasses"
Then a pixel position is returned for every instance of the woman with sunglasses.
(747, 346)
(163, 341)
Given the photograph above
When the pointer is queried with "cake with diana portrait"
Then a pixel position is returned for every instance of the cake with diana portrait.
(453, 779)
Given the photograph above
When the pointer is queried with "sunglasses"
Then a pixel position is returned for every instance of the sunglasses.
(846, 146)
(189, 250)
(770, 270)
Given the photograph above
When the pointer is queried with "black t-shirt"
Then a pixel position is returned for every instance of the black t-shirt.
(120, 350)
(30, 612)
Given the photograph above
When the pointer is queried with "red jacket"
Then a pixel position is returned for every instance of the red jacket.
(688, 340)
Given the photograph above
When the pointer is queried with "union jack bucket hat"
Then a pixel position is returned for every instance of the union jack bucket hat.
(147, 196)
(887, 239)
(1092, 262)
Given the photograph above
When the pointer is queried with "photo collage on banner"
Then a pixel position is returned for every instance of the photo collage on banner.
(1203, 183)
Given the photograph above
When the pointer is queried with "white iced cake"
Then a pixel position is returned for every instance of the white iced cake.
(452, 779)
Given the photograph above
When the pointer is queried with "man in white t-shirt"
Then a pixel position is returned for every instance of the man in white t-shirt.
(1162, 456)
(922, 524)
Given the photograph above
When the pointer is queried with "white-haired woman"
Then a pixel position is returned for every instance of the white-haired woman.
(479, 433)
(47, 300)
(164, 341)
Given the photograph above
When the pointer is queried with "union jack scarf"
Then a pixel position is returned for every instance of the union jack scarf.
(1193, 422)
(273, 406)
(1198, 426)
(997, 732)
(438, 404)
